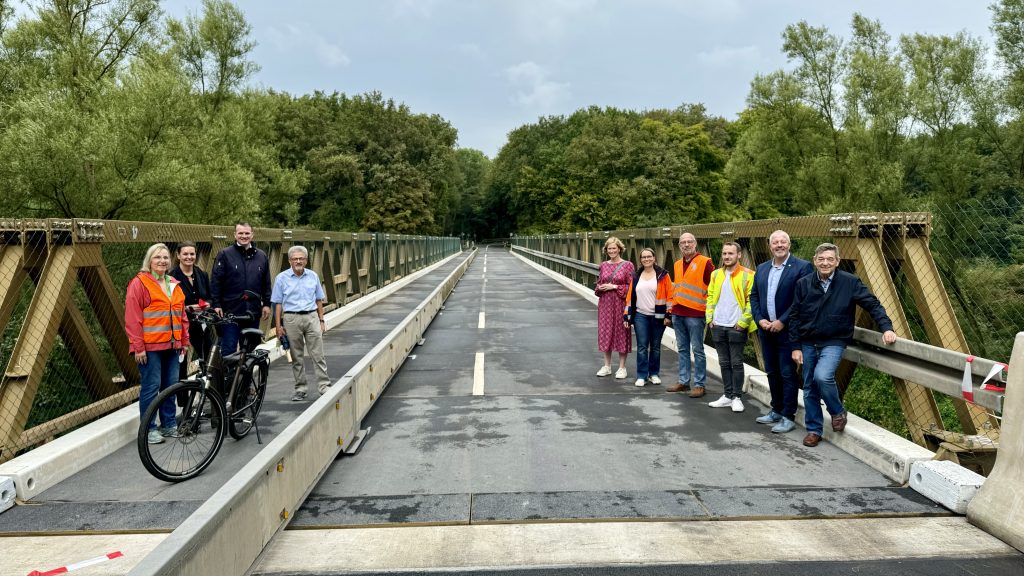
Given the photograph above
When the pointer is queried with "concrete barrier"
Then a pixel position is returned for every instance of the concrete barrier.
(228, 532)
(51, 463)
(6, 493)
(998, 507)
(890, 454)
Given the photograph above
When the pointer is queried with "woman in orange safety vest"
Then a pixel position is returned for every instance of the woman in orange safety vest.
(157, 328)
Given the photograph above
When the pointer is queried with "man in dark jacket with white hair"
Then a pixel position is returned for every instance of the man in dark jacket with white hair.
(821, 326)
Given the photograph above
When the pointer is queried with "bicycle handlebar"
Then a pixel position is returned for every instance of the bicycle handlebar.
(210, 316)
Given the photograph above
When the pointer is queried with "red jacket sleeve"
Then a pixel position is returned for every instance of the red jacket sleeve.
(184, 324)
(135, 301)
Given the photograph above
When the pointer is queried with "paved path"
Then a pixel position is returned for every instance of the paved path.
(117, 493)
(497, 447)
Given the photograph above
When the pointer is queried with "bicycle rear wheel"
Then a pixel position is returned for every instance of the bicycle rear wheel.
(249, 395)
(184, 448)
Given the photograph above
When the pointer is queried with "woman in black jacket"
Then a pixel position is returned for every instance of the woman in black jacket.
(196, 285)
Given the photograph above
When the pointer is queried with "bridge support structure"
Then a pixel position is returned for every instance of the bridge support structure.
(62, 286)
(880, 247)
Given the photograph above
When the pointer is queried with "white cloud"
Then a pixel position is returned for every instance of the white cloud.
(730, 55)
(291, 38)
(545, 21)
(330, 54)
(415, 8)
(533, 88)
(473, 51)
(718, 11)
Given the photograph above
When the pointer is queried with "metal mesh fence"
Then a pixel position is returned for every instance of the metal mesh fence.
(951, 277)
(62, 306)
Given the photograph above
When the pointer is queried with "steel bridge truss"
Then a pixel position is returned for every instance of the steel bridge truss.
(44, 261)
(878, 247)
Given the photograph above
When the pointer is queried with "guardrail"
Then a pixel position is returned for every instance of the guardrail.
(892, 254)
(227, 533)
(62, 286)
(935, 368)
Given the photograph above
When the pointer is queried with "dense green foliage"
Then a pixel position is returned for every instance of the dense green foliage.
(609, 168)
(112, 110)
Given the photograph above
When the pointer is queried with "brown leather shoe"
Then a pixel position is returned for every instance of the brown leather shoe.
(697, 392)
(677, 387)
(812, 439)
(839, 422)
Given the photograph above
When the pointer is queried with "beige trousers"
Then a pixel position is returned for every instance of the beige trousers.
(304, 336)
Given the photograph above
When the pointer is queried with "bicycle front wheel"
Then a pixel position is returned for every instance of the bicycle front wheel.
(182, 448)
(248, 401)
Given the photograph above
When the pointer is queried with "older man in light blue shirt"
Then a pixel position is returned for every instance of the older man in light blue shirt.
(299, 315)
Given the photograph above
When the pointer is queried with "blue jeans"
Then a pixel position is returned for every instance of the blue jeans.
(649, 331)
(690, 337)
(777, 352)
(159, 372)
(820, 363)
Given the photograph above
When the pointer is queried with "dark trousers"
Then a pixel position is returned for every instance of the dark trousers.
(729, 344)
(202, 343)
(229, 334)
(778, 364)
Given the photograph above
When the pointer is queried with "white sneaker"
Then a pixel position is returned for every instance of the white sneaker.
(604, 371)
(639, 383)
(722, 402)
(655, 380)
(620, 374)
(737, 404)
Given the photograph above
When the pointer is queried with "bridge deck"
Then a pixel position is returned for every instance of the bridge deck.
(491, 479)
(549, 440)
(117, 494)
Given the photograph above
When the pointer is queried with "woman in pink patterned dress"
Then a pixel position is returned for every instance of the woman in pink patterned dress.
(613, 281)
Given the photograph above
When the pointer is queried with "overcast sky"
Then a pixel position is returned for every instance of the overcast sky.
(489, 66)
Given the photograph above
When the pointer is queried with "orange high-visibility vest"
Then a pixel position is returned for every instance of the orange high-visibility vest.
(161, 320)
(688, 285)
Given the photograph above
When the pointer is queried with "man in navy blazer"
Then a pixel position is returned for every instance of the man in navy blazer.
(770, 300)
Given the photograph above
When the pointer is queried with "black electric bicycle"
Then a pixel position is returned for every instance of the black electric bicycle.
(202, 415)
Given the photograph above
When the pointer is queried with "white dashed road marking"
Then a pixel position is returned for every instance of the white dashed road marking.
(478, 375)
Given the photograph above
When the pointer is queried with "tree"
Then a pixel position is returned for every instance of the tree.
(100, 120)
(820, 66)
(214, 49)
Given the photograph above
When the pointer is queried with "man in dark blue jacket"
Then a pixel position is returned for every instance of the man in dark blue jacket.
(821, 323)
(774, 286)
(240, 284)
